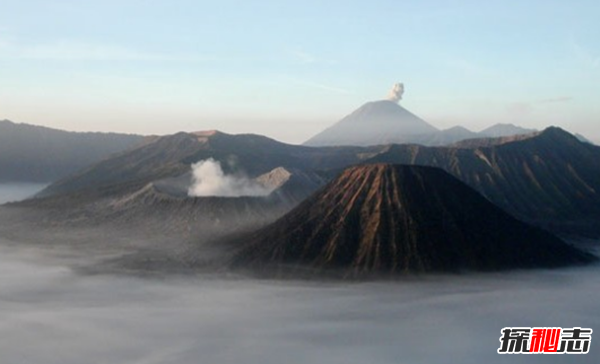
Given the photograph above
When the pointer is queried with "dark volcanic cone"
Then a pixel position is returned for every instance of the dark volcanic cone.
(394, 218)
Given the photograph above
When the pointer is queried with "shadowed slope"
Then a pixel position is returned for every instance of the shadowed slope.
(171, 156)
(550, 178)
(391, 218)
(30, 153)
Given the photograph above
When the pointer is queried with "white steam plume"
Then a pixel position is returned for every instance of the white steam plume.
(396, 92)
(208, 179)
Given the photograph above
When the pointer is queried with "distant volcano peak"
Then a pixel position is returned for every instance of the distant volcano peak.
(376, 122)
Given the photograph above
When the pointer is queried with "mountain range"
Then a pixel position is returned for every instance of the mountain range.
(31, 153)
(548, 178)
(386, 122)
(403, 197)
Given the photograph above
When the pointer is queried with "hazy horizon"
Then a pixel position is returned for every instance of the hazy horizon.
(293, 140)
(289, 70)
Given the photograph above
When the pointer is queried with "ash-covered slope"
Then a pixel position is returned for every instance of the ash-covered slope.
(133, 170)
(166, 203)
(291, 186)
(30, 153)
(392, 218)
(165, 207)
(153, 208)
(171, 157)
(375, 123)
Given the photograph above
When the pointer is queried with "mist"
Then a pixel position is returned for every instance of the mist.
(208, 179)
(51, 314)
(11, 192)
(60, 305)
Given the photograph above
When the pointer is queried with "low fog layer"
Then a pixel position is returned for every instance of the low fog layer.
(208, 179)
(51, 315)
(10, 192)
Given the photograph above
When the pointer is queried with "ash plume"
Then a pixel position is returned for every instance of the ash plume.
(396, 92)
(208, 179)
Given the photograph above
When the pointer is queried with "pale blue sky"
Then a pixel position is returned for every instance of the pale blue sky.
(288, 69)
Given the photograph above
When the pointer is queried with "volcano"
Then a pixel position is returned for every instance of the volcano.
(387, 218)
(549, 179)
(386, 122)
(378, 122)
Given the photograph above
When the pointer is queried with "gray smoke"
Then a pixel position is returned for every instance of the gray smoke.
(396, 92)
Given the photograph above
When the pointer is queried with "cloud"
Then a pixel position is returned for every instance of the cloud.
(585, 56)
(520, 108)
(466, 66)
(321, 86)
(304, 57)
(557, 99)
(526, 108)
(66, 50)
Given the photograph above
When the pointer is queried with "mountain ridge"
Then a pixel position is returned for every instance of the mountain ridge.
(550, 178)
(30, 153)
(384, 122)
(396, 218)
